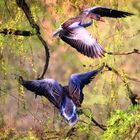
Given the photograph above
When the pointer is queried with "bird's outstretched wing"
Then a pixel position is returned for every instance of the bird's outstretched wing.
(46, 87)
(78, 81)
(68, 111)
(80, 39)
(107, 12)
(53, 92)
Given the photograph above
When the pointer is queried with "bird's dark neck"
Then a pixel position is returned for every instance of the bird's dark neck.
(66, 90)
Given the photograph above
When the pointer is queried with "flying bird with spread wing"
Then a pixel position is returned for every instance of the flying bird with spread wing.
(73, 31)
(65, 98)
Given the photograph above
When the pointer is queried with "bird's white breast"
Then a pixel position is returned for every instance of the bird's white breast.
(74, 25)
(83, 35)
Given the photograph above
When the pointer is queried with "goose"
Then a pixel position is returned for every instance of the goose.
(65, 98)
(73, 31)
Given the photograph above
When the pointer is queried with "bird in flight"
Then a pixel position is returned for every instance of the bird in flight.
(65, 98)
(73, 31)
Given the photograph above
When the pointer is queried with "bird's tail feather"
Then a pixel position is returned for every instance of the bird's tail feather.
(68, 111)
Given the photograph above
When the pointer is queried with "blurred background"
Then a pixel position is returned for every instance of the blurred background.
(21, 114)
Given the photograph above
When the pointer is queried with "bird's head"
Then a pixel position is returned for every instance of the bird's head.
(97, 17)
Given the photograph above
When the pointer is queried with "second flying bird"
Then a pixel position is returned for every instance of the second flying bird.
(73, 31)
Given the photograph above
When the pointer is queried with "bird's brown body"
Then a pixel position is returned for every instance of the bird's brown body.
(73, 30)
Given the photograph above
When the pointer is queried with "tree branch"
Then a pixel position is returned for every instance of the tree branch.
(101, 126)
(131, 95)
(70, 132)
(133, 79)
(23, 5)
(80, 112)
(16, 32)
(124, 53)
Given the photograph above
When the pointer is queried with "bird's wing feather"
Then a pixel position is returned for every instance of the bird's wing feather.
(46, 87)
(79, 80)
(107, 12)
(80, 39)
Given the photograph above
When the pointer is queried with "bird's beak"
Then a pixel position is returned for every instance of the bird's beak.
(102, 20)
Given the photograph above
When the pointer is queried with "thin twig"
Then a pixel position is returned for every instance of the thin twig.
(115, 34)
(16, 32)
(133, 79)
(101, 126)
(18, 99)
(131, 95)
(136, 133)
(126, 76)
(70, 132)
(135, 51)
(47, 56)
(7, 8)
(23, 5)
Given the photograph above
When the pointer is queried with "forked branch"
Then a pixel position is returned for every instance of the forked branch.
(23, 5)
(132, 96)
(101, 126)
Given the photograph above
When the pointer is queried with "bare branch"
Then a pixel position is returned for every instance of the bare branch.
(101, 126)
(70, 132)
(131, 95)
(23, 5)
(80, 112)
(126, 76)
(16, 32)
(135, 51)
(133, 79)
(135, 132)
(47, 56)
(17, 99)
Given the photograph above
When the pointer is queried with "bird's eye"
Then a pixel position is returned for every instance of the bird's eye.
(98, 17)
